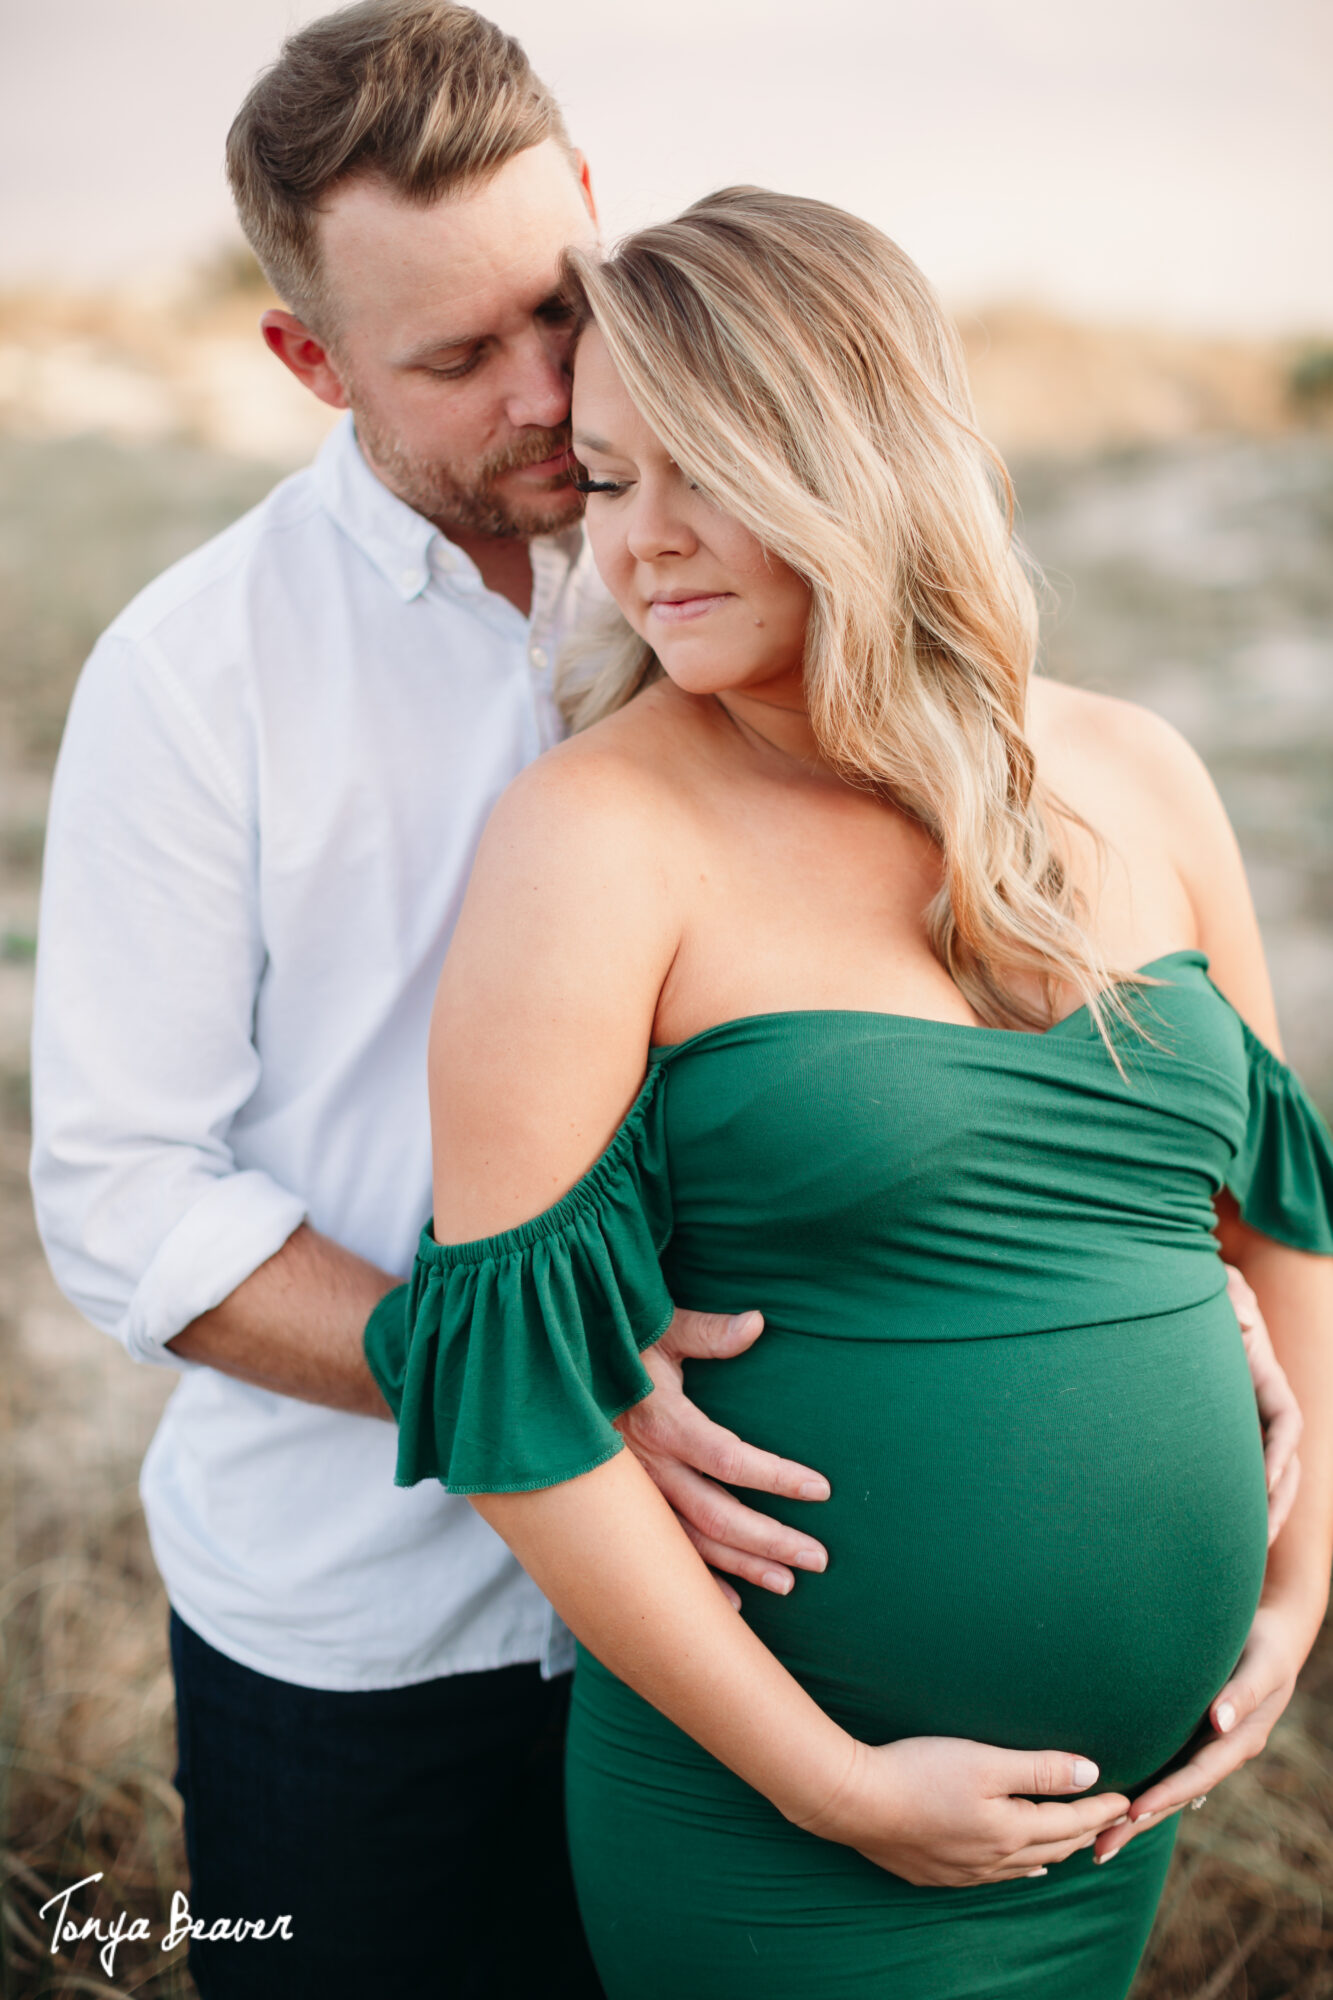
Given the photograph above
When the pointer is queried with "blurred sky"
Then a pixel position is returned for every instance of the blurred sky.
(1154, 160)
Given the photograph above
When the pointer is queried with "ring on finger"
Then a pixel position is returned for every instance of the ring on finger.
(1202, 1800)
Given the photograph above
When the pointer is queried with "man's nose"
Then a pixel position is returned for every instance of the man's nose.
(540, 390)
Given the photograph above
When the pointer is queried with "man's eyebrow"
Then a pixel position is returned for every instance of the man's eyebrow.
(448, 343)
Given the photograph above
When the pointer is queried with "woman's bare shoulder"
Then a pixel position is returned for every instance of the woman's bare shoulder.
(1105, 728)
(624, 773)
(1134, 763)
(583, 860)
(544, 1012)
(1130, 771)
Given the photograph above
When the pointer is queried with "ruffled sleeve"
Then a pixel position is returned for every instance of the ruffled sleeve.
(1283, 1173)
(521, 1348)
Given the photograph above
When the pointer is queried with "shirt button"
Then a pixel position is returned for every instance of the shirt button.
(537, 654)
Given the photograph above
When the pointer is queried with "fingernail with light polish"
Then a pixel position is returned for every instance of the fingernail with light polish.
(1033, 1873)
(815, 1489)
(812, 1558)
(1100, 1860)
(1226, 1717)
(775, 1580)
(1122, 1821)
(1084, 1772)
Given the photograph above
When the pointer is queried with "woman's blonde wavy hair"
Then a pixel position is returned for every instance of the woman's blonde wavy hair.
(800, 370)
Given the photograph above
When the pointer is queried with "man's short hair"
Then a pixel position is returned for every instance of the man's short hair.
(423, 95)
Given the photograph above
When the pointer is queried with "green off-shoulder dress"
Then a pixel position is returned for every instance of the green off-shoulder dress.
(997, 1319)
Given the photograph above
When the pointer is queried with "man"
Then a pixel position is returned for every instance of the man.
(276, 769)
(277, 766)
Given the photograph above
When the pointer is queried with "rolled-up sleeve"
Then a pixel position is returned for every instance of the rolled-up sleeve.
(150, 957)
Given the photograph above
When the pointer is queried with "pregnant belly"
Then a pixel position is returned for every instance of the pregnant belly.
(1053, 1541)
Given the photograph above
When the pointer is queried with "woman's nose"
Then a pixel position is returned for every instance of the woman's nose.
(656, 526)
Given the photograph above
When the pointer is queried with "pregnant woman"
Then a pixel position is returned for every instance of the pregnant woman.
(844, 967)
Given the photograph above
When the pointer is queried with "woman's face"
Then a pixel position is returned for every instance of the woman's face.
(718, 611)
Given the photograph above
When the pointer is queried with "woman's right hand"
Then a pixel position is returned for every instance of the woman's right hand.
(945, 1813)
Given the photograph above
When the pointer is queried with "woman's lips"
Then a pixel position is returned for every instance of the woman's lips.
(677, 610)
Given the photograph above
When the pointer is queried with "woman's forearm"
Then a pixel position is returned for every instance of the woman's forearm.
(608, 1553)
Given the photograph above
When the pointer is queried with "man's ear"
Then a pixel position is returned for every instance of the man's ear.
(585, 182)
(305, 354)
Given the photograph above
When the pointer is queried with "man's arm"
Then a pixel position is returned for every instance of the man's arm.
(150, 962)
(296, 1326)
(150, 959)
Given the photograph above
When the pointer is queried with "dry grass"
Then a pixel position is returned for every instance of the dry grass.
(85, 1696)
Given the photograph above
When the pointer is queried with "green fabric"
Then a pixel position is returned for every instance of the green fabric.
(996, 1318)
(690, 1884)
(1283, 1175)
(525, 1346)
(387, 1333)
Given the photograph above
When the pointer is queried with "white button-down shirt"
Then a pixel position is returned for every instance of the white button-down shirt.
(276, 769)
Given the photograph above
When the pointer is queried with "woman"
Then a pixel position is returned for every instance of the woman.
(797, 979)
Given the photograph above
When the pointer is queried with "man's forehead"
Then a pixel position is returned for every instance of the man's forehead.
(441, 269)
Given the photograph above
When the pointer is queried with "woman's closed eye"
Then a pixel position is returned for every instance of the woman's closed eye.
(583, 482)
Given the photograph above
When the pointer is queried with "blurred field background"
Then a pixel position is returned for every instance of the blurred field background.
(1179, 493)
(1153, 179)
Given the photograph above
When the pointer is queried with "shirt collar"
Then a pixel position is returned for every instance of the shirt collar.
(397, 539)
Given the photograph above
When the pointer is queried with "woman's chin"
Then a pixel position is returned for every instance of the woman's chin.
(700, 683)
(701, 669)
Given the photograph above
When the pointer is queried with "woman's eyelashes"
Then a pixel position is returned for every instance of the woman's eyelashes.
(583, 482)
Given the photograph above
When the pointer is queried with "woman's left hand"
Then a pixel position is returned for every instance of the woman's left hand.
(1242, 1716)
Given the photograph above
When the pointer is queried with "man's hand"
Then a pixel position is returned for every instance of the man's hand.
(1279, 1412)
(687, 1456)
(1242, 1717)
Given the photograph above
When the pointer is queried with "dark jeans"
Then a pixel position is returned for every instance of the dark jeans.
(413, 1836)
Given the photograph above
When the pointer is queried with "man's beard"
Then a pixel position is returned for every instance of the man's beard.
(474, 502)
